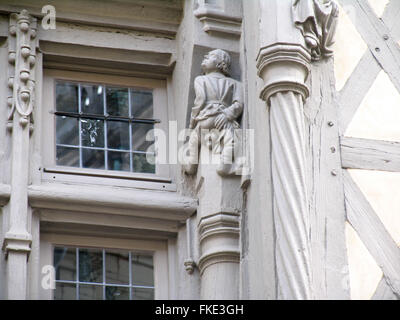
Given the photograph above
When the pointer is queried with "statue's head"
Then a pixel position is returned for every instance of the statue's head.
(217, 60)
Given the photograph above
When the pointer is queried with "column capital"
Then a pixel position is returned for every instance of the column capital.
(284, 67)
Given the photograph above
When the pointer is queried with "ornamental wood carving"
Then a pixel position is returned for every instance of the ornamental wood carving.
(22, 58)
(317, 20)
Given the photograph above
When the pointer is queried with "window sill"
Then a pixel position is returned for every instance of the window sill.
(107, 177)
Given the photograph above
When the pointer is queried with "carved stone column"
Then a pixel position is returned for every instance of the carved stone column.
(17, 240)
(293, 32)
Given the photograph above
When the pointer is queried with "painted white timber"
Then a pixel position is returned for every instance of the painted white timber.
(110, 220)
(384, 292)
(377, 36)
(327, 209)
(372, 233)
(103, 199)
(370, 154)
(367, 69)
(356, 88)
(154, 16)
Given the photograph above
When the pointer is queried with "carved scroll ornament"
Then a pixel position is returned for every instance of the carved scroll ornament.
(317, 20)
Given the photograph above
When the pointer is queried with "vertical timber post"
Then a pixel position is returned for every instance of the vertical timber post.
(17, 240)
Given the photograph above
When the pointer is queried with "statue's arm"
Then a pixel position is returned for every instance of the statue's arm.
(199, 100)
(236, 108)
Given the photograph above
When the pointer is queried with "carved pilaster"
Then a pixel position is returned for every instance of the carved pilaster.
(22, 56)
(284, 65)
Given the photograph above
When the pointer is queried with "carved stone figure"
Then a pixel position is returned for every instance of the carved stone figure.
(317, 20)
(217, 107)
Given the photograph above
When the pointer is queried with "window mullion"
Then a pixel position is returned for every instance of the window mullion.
(130, 132)
(104, 274)
(105, 130)
(130, 276)
(80, 126)
(77, 273)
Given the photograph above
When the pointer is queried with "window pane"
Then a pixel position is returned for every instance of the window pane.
(93, 158)
(142, 270)
(119, 161)
(92, 100)
(92, 133)
(117, 267)
(118, 135)
(90, 292)
(65, 263)
(67, 97)
(117, 101)
(142, 294)
(140, 163)
(117, 293)
(67, 130)
(139, 132)
(142, 104)
(65, 291)
(67, 157)
(90, 265)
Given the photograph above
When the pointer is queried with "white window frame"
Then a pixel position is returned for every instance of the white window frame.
(157, 248)
(53, 173)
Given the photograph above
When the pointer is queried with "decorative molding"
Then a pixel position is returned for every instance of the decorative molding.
(273, 63)
(22, 59)
(219, 237)
(317, 20)
(219, 22)
(17, 243)
(163, 205)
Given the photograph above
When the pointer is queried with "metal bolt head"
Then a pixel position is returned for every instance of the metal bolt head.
(385, 37)
(333, 149)
(334, 172)
(330, 123)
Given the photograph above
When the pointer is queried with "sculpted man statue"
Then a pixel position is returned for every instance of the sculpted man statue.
(217, 107)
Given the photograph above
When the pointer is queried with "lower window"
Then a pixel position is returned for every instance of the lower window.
(102, 274)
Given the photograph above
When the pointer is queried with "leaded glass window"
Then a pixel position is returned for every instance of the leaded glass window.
(102, 274)
(104, 127)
